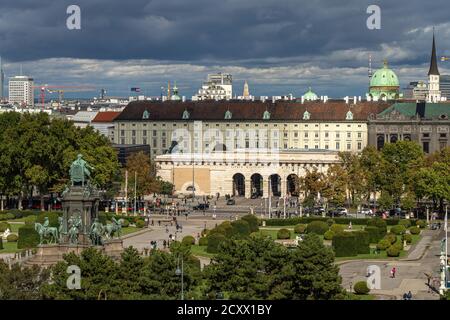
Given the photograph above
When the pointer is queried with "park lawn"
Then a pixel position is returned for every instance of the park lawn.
(10, 247)
(197, 250)
(361, 296)
(15, 226)
(128, 230)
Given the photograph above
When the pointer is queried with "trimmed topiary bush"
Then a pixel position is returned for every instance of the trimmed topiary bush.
(407, 237)
(30, 220)
(214, 241)
(421, 224)
(283, 234)
(414, 230)
(188, 240)
(203, 241)
(405, 222)
(125, 223)
(240, 229)
(140, 223)
(252, 222)
(398, 229)
(4, 226)
(393, 251)
(379, 223)
(361, 287)
(12, 238)
(375, 233)
(328, 235)
(300, 228)
(392, 238)
(344, 244)
(336, 228)
(28, 238)
(383, 244)
(362, 242)
(52, 217)
(330, 222)
(317, 227)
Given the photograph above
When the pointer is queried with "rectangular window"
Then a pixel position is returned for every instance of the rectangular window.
(295, 134)
(326, 147)
(326, 134)
(122, 141)
(306, 134)
(338, 146)
(359, 145)
(338, 135)
(122, 133)
(426, 147)
(349, 146)
(133, 141)
(155, 143)
(426, 135)
(133, 133)
(285, 134)
(144, 133)
(349, 134)
(306, 146)
(316, 135)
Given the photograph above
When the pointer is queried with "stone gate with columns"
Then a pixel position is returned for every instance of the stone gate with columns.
(246, 172)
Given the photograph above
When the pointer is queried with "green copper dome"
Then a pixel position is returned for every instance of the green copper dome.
(309, 95)
(384, 77)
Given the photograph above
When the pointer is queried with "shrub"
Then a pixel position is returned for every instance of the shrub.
(283, 234)
(407, 237)
(344, 244)
(393, 251)
(214, 241)
(405, 222)
(252, 222)
(224, 229)
(188, 240)
(421, 224)
(398, 229)
(361, 287)
(203, 241)
(4, 226)
(336, 228)
(392, 238)
(328, 235)
(3, 217)
(362, 242)
(10, 216)
(240, 229)
(205, 232)
(140, 223)
(125, 223)
(383, 244)
(300, 228)
(30, 220)
(12, 238)
(103, 217)
(330, 222)
(1, 243)
(414, 230)
(378, 222)
(317, 227)
(375, 233)
(28, 238)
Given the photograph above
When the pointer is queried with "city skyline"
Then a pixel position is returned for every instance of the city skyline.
(280, 50)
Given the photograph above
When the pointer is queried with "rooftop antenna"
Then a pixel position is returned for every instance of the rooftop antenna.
(20, 69)
(370, 67)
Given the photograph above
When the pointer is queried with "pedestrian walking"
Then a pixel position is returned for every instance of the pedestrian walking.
(409, 295)
(164, 244)
(159, 223)
(167, 229)
(393, 271)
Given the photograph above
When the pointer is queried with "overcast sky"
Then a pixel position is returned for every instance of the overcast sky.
(278, 46)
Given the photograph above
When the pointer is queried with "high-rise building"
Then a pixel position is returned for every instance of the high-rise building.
(21, 91)
(2, 79)
(445, 86)
(434, 93)
(217, 87)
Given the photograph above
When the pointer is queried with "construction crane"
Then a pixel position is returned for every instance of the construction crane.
(60, 90)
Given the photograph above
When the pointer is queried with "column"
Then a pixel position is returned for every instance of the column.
(283, 186)
(248, 187)
(265, 187)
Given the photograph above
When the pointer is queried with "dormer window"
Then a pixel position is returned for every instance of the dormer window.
(145, 114)
(306, 115)
(349, 115)
(186, 115)
(266, 115)
(228, 115)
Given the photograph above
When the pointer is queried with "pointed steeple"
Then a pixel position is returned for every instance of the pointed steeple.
(433, 63)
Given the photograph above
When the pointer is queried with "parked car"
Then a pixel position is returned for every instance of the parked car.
(365, 211)
(338, 212)
(231, 201)
(201, 206)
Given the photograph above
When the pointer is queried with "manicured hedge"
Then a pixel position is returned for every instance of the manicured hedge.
(188, 240)
(414, 230)
(336, 228)
(6, 216)
(421, 224)
(214, 241)
(407, 237)
(203, 241)
(28, 238)
(398, 230)
(375, 233)
(252, 221)
(392, 238)
(4, 225)
(393, 251)
(328, 235)
(317, 227)
(30, 220)
(12, 238)
(125, 223)
(362, 242)
(306, 220)
(283, 234)
(405, 222)
(224, 228)
(300, 228)
(361, 287)
(140, 223)
(383, 244)
(344, 244)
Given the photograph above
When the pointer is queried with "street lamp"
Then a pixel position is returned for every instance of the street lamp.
(180, 272)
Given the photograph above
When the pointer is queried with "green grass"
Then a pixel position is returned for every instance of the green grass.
(353, 296)
(15, 226)
(9, 247)
(197, 250)
(128, 230)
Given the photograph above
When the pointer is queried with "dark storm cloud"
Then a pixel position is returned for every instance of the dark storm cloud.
(242, 33)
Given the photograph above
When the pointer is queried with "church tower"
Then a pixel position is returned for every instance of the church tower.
(434, 93)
